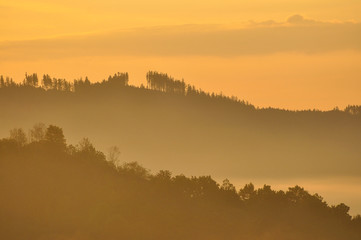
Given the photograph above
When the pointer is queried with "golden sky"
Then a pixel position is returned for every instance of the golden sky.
(290, 54)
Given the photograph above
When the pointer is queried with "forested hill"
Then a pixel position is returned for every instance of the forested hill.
(53, 190)
(169, 124)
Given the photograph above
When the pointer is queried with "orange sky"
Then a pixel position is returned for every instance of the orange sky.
(289, 54)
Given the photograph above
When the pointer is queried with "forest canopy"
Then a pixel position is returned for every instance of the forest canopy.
(51, 189)
(157, 81)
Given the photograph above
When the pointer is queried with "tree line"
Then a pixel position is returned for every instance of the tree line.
(49, 83)
(156, 81)
(163, 82)
(51, 189)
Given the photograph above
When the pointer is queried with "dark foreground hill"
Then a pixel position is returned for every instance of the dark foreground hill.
(171, 125)
(51, 190)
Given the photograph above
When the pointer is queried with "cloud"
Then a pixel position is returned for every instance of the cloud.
(297, 34)
(298, 19)
(295, 20)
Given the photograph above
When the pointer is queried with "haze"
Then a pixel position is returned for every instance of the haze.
(134, 119)
(285, 54)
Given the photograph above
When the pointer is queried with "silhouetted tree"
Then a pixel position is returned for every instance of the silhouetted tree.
(9, 82)
(163, 176)
(37, 133)
(2, 81)
(228, 186)
(55, 136)
(297, 194)
(31, 80)
(118, 79)
(134, 169)
(353, 109)
(247, 192)
(163, 82)
(113, 155)
(47, 82)
(19, 136)
(341, 210)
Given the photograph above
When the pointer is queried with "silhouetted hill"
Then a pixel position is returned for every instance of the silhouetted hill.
(172, 125)
(51, 190)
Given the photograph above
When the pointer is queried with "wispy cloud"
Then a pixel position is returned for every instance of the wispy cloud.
(297, 34)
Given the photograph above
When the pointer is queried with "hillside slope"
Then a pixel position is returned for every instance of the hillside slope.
(193, 133)
(51, 190)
